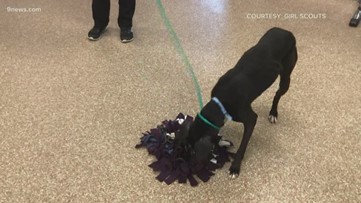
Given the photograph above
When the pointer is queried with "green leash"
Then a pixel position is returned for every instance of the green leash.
(177, 44)
(179, 48)
(208, 122)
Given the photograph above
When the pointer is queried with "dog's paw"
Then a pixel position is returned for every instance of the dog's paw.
(233, 172)
(225, 143)
(272, 119)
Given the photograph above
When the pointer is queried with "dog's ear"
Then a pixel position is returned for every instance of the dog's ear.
(202, 148)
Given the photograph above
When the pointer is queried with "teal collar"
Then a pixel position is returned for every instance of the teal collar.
(208, 122)
(224, 111)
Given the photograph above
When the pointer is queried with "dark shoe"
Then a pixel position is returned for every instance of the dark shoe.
(126, 35)
(96, 33)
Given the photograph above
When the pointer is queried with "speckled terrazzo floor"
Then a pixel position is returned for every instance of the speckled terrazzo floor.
(71, 110)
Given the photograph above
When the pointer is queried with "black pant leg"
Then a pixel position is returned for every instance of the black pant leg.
(126, 13)
(101, 9)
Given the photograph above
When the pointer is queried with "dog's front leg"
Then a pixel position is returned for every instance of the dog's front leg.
(249, 123)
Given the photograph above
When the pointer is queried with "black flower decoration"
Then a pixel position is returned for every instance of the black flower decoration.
(173, 161)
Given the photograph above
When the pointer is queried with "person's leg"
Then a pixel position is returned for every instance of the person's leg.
(125, 19)
(126, 13)
(101, 9)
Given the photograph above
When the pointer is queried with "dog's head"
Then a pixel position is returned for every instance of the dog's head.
(202, 149)
(197, 138)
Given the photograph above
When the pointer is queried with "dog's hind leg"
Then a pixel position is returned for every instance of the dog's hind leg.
(285, 79)
(283, 88)
(249, 120)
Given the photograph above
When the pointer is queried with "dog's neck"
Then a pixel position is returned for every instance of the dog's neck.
(212, 112)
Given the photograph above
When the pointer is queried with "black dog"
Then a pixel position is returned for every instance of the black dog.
(275, 54)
